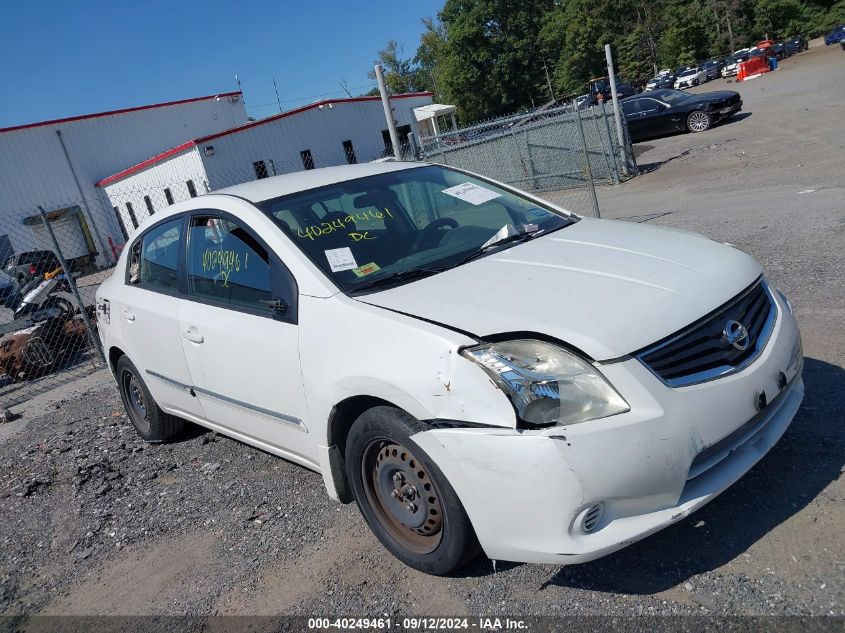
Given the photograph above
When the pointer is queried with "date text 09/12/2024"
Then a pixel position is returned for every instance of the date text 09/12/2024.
(419, 623)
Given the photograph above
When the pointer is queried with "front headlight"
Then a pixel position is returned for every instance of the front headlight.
(547, 384)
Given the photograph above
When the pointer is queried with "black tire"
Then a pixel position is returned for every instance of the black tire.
(152, 424)
(436, 537)
(699, 121)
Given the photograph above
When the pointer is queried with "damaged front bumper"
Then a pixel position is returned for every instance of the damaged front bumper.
(529, 494)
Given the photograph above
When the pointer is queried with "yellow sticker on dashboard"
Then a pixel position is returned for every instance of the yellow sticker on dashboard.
(366, 269)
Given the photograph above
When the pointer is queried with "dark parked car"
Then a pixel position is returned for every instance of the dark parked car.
(800, 42)
(713, 68)
(660, 81)
(662, 112)
(835, 36)
(779, 49)
(24, 266)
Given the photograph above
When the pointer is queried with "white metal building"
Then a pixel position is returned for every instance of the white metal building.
(55, 164)
(326, 133)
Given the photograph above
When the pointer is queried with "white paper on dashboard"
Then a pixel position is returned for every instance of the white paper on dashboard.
(471, 193)
(341, 259)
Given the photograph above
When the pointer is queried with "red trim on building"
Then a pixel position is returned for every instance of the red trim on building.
(151, 161)
(82, 117)
(147, 163)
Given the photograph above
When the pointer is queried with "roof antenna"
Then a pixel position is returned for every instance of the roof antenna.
(345, 87)
(238, 81)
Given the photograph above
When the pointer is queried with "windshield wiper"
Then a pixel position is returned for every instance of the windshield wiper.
(518, 237)
(398, 277)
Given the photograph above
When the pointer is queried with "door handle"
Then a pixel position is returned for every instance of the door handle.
(128, 314)
(193, 335)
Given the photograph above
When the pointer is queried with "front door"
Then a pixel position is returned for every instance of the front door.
(239, 334)
(148, 307)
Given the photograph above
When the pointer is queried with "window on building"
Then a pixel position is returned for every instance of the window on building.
(149, 204)
(226, 264)
(120, 222)
(307, 159)
(402, 132)
(192, 191)
(132, 214)
(168, 195)
(260, 169)
(349, 151)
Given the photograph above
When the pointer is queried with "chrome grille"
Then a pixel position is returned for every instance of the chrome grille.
(700, 352)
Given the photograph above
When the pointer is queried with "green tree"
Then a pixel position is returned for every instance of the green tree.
(399, 72)
(491, 57)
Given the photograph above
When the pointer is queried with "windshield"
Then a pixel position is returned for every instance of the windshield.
(672, 96)
(393, 225)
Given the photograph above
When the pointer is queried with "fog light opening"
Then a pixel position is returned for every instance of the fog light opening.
(591, 517)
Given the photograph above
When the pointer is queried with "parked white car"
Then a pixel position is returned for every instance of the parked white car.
(471, 364)
(690, 77)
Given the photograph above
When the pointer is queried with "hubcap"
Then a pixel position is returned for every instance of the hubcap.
(135, 399)
(403, 496)
(698, 121)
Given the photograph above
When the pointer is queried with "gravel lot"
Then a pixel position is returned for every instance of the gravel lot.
(94, 521)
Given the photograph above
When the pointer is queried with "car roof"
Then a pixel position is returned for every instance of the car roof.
(276, 186)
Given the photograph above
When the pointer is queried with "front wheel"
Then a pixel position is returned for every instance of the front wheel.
(698, 121)
(405, 499)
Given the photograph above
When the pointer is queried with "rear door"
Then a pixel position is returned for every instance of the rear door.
(636, 125)
(148, 306)
(240, 336)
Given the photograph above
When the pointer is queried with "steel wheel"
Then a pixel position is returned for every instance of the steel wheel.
(698, 121)
(405, 500)
(137, 403)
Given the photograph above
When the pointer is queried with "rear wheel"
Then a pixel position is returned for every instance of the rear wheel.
(406, 500)
(698, 121)
(152, 424)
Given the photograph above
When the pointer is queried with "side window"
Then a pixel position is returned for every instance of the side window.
(649, 105)
(226, 264)
(629, 107)
(154, 257)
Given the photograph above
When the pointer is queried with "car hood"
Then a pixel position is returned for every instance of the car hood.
(605, 287)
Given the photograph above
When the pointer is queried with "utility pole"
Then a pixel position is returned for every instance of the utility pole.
(276, 88)
(617, 114)
(388, 112)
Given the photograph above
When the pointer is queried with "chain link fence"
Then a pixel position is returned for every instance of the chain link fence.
(47, 290)
(563, 148)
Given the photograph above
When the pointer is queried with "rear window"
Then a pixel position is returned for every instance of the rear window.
(154, 257)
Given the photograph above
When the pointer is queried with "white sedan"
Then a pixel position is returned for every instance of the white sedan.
(478, 369)
(690, 77)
